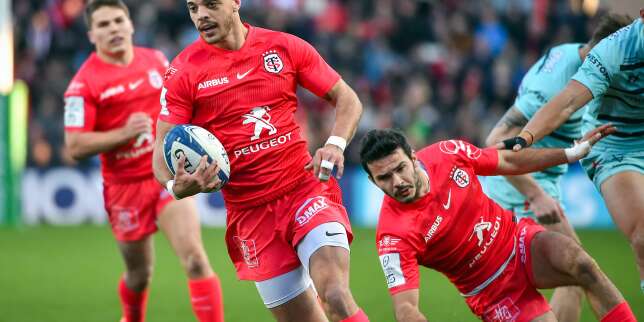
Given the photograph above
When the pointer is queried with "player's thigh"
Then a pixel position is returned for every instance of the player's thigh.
(302, 308)
(554, 258)
(563, 227)
(546, 317)
(137, 254)
(623, 193)
(179, 222)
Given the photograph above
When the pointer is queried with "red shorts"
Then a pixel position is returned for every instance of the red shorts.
(513, 296)
(261, 240)
(133, 208)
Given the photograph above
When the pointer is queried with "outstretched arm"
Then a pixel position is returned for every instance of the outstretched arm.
(406, 306)
(545, 208)
(531, 160)
(347, 115)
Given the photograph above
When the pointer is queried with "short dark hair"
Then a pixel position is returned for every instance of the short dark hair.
(94, 5)
(377, 144)
(607, 25)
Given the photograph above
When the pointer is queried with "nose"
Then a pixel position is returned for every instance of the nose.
(202, 13)
(397, 180)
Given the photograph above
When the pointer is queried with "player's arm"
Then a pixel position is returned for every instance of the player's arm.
(182, 184)
(531, 160)
(406, 306)
(347, 115)
(545, 208)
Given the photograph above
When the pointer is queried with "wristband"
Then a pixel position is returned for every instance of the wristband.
(338, 141)
(168, 186)
(577, 151)
(509, 144)
(531, 135)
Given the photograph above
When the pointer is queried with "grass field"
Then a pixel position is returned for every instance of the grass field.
(70, 274)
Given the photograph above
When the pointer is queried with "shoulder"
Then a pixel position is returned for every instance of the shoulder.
(187, 60)
(79, 85)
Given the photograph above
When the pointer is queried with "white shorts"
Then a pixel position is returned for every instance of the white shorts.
(281, 289)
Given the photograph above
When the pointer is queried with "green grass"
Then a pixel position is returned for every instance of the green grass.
(70, 274)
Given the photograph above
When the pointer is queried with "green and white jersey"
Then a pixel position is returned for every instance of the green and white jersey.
(545, 79)
(614, 72)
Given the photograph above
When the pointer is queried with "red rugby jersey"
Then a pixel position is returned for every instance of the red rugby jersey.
(247, 98)
(455, 229)
(102, 96)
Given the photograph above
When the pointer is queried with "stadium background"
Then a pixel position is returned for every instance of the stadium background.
(436, 69)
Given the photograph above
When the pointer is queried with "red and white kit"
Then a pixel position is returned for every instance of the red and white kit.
(457, 230)
(101, 97)
(247, 98)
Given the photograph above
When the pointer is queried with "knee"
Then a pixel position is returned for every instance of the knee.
(196, 265)
(637, 237)
(335, 297)
(139, 278)
(585, 269)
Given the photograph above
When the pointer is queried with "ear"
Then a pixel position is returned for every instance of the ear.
(90, 36)
(236, 5)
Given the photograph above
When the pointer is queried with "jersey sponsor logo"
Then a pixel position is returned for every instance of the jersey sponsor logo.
(456, 146)
(309, 209)
(262, 120)
(134, 85)
(213, 82)
(432, 230)
(253, 148)
(387, 243)
(126, 219)
(248, 250)
(74, 111)
(503, 311)
(459, 176)
(600, 67)
(272, 62)
(155, 79)
(112, 91)
(522, 246)
(393, 271)
(241, 76)
(478, 230)
(552, 60)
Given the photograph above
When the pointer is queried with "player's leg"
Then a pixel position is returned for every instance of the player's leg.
(566, 300)
(324, 251)
(558, 260)
(179, 222)
(624, 196)
(139, 259)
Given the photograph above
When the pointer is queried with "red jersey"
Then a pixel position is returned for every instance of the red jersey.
(102, 96)
(247, 98)
(455, 229)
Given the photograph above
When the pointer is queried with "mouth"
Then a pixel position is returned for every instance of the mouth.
(116, 41)
(208, 28)
(403, 192)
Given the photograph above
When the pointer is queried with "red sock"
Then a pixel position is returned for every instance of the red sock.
(206, 299)
(620, 313)
(133, 303)
(358, 317)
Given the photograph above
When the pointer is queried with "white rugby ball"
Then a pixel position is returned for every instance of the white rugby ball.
(194, 142)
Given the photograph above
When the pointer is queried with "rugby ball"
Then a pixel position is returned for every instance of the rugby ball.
(194, 142)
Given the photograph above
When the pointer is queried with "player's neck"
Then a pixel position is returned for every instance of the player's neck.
(236, 37)
(120, 59)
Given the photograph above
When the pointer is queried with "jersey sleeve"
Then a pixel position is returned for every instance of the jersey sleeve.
(483, 161)
(601, 64)
(80, 106)
(176, 97)
(399, 263)
(529, 101)
(313, 73)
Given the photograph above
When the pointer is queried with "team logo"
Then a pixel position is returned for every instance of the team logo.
(456, 146)
(262, 120)
(478, 230)
(272, 62)
(248, 250)
(388, 241)
(126, 220)
(504, 311)
(155, 78)
(459, 176)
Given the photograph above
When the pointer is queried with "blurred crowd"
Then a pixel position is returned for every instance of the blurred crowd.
(435, 69)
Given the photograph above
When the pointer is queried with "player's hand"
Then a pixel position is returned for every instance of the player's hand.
(137, 123)
(581, 148)
(546, 209)
(522, 140)
(204, 179)
(324, 160)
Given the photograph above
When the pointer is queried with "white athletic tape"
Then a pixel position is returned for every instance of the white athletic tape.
(168, 186)
(338, 141)
(577, 151)
(327, 164)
